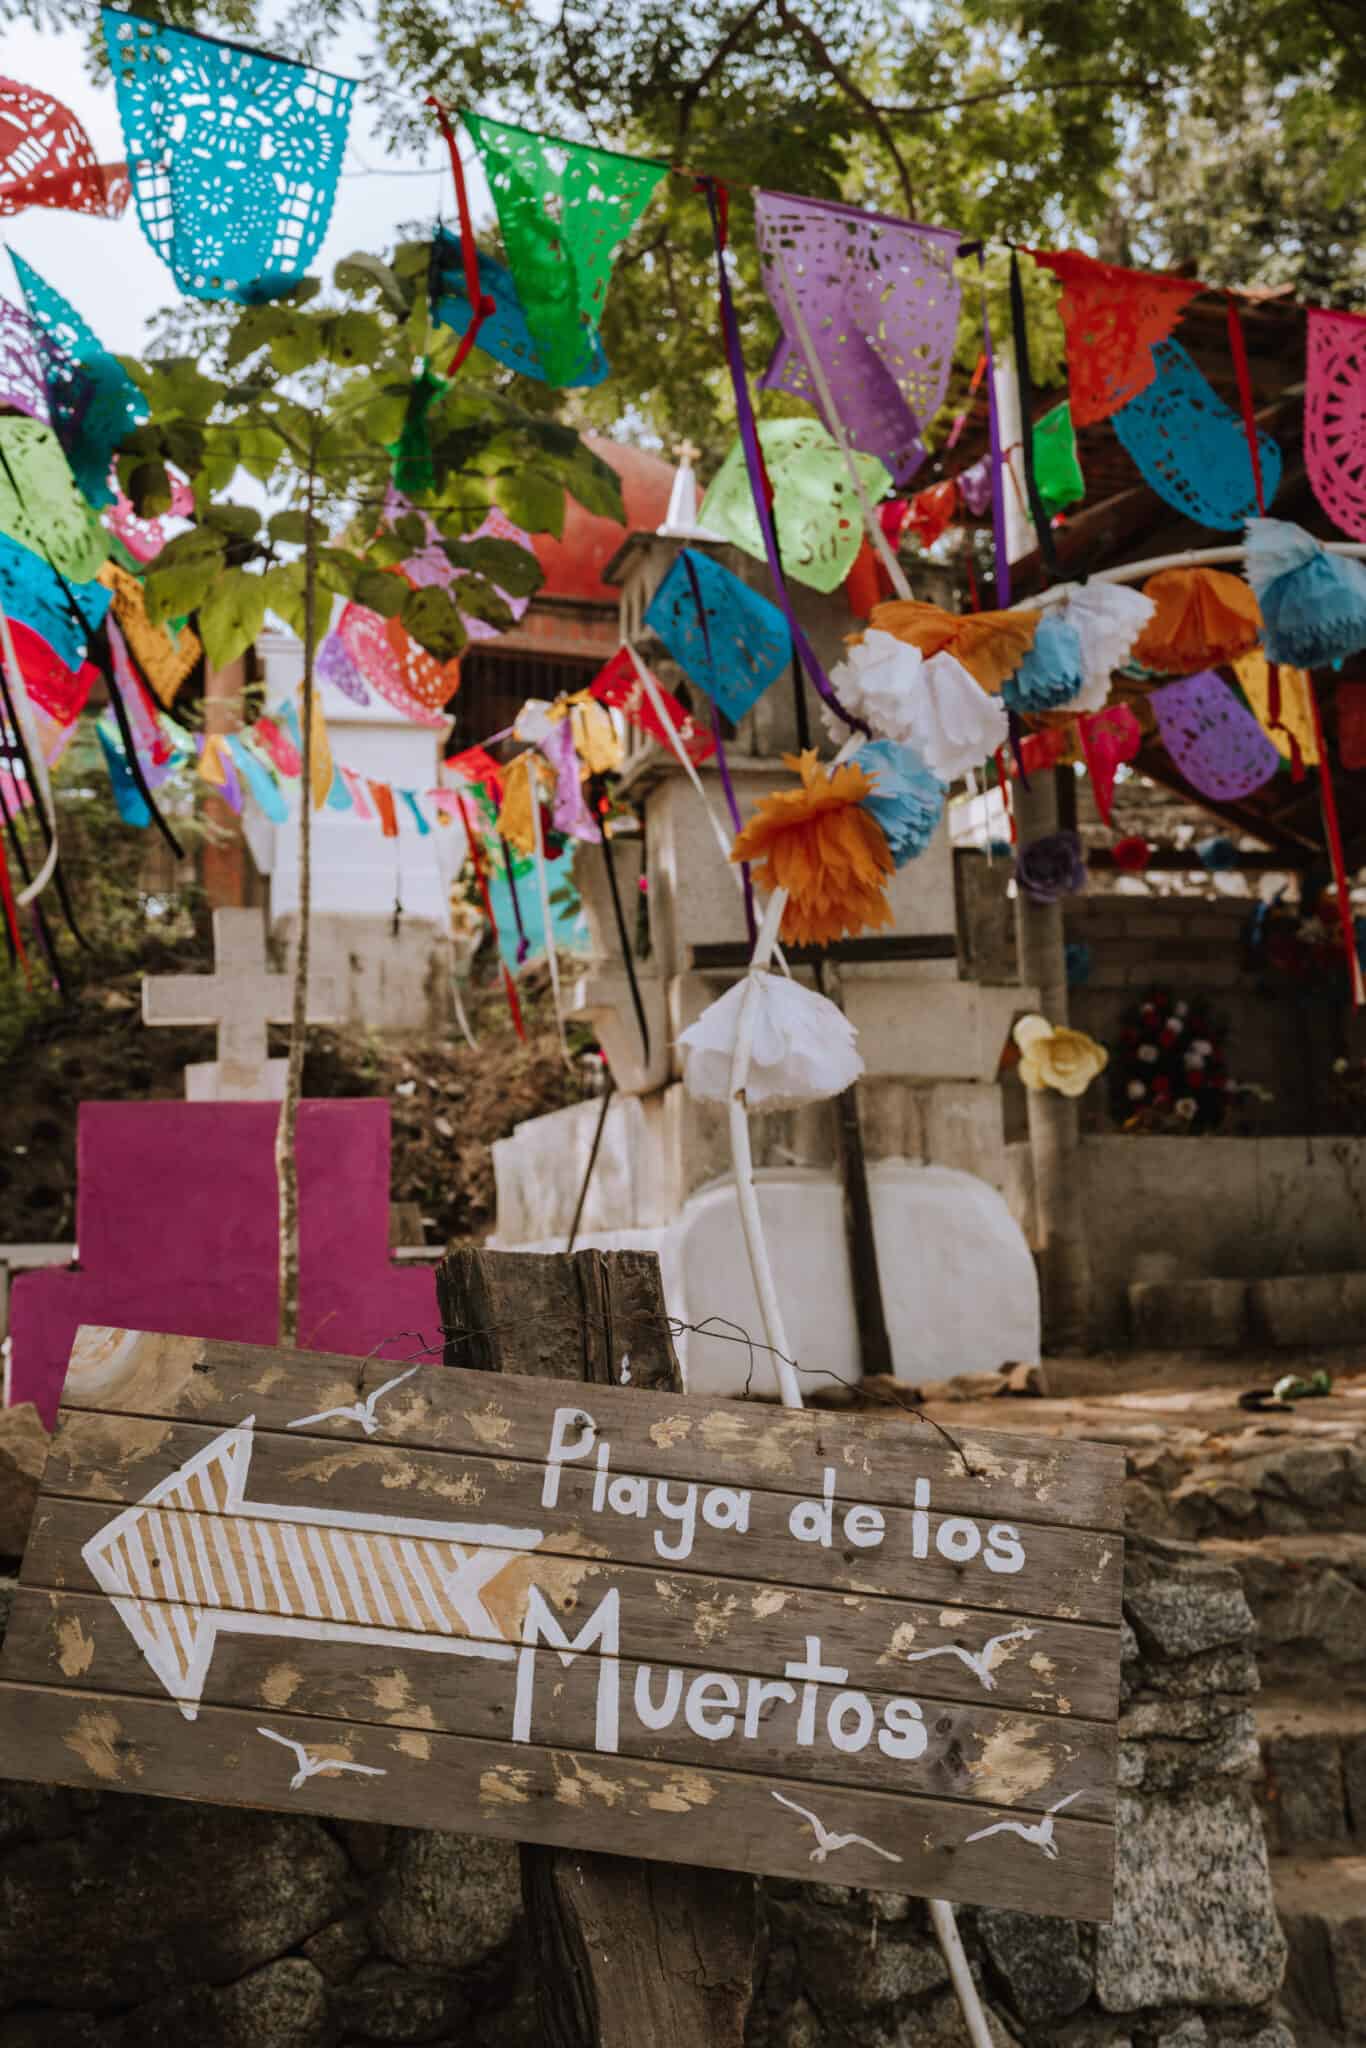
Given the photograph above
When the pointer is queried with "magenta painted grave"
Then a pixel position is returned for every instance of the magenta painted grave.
(176, 1231)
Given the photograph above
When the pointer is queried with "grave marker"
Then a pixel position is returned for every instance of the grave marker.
(241, 998)
(833, 1648)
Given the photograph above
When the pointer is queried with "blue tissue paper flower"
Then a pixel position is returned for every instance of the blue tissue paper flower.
(905, 798)
(1216, 855)
(1313, 603)
(1051, 673)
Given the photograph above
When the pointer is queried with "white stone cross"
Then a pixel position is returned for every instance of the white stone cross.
(241, 998)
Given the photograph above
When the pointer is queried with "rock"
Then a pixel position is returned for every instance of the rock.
(1182, 1616)
(146, 1900)
(1188, 2033)
(845, 1971)
(1041, 1962)
(55, 2030)
(1277, 2035)
(339, 1949)
(1305, 1792)
(1354, 1784)
(282, 2006)
(1194, 1921)
(384, 2003)
(1214, 1671)
(446, 1901)
(940, 2024)
(23, 1454)
(1328, 1612)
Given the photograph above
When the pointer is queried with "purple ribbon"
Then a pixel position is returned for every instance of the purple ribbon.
(998, 493)
(754, 464)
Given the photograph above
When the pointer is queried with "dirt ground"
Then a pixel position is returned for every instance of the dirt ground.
(449, 1101)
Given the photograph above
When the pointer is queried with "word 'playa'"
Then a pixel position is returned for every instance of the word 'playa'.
(813, 1646)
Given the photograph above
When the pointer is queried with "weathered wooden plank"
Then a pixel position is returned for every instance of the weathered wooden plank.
(1071, 1574)
(680, 1964)
(1038, 1665)
(977, 1753)
(735, 1443)
(720, 1819)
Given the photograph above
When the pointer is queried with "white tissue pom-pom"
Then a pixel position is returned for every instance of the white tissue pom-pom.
(1108, 618)
(957, 725)
(803, 1049)
(876, 682)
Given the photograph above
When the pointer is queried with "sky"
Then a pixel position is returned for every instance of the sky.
(108, 269)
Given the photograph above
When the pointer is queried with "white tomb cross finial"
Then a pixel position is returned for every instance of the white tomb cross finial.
(680, 521)
(240, 998)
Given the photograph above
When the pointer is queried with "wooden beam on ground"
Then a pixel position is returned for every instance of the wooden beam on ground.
(627, 1952)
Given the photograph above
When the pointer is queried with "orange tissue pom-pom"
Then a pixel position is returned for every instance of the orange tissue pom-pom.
(819, 844)
(1203, 617)
(990, 645)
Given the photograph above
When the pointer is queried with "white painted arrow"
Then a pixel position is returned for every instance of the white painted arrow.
(195, 1560)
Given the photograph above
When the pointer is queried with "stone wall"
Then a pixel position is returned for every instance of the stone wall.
(1215, 1208)
(1192, 946)
(139, 1923)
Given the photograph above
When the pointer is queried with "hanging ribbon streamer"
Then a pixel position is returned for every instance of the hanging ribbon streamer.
(1333, 833)
(1238, 349)
(481, 877)
(523, 942)
(481, 303)
(1019, 323)
(627, 949)
(552, 959)
(12, 931)
(718, 205)
(103, 661)
(999, 549)
(19, 712)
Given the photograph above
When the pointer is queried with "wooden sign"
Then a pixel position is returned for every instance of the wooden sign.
(846, 1648)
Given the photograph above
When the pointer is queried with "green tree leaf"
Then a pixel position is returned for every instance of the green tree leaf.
(531, 501)
(515, 570)
(381, 592)
(239, 522)
(231, 615)
(362, 273)
(183, 574)
(432, 619)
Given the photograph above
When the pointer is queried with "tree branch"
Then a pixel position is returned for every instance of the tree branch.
(1025, 88)
(694, 92)
(853, 91)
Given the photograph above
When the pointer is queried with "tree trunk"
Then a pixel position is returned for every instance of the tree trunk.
(626, 1953)
(286, 1155)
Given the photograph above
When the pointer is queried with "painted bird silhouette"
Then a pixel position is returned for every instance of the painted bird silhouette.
(311, 1766)
(362, 1412)
(979, 1662)
(1039, 1832)
(826, 1843)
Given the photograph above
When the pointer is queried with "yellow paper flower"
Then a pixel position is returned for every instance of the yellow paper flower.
(1051, 1056)
(819, 844)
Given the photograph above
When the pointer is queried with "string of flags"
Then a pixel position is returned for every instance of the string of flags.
(870, 311)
